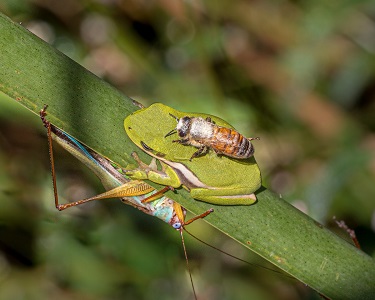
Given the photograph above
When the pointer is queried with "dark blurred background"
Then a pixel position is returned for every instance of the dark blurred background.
(299, 74)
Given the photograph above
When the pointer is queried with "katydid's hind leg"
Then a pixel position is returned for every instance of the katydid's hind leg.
(61, 207)
(47, 124)
(109, 194)
(158, 194)
(43, 114)
(129, 189)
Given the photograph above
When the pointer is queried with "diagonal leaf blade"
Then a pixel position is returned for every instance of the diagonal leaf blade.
(34, 74)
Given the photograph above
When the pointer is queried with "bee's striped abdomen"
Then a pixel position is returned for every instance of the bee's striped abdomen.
(231, 143)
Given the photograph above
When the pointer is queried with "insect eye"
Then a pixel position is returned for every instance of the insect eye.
(176, 225)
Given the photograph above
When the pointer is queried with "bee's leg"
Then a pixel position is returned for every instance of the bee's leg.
(218, 153)
(255, 138)
(209, 120)
(182, 142)
(201, 150)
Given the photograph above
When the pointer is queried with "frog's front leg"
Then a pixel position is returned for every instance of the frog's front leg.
(223, 196)
(165, 176)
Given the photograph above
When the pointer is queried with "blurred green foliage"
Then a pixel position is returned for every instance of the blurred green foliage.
(299, 74)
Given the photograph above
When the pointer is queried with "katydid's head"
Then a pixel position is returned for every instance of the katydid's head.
(177, 225)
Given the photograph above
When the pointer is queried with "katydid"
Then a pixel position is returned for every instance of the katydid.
(136, 193)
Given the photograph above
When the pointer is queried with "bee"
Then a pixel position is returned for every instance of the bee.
(204, 134)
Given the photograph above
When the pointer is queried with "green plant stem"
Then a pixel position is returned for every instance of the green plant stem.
(33, 73)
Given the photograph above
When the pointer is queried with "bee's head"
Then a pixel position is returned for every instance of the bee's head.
(182, 128)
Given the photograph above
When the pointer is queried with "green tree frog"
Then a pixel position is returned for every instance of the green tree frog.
(210, 178)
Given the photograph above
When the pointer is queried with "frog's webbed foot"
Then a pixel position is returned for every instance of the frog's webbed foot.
(141, 172)
(142, 165)
(164, 175)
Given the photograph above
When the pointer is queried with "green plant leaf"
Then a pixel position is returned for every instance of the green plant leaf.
(34, 74)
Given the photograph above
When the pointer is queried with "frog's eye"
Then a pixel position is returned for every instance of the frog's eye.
(177, 225)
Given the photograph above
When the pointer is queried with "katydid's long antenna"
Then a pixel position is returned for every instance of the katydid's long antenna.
(187, 262)
(230, 255)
